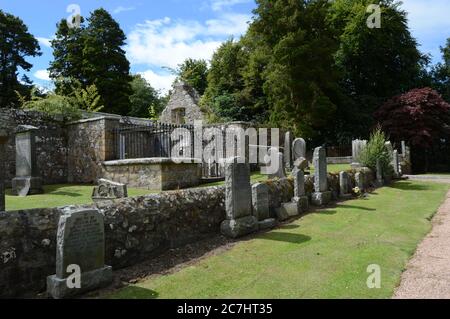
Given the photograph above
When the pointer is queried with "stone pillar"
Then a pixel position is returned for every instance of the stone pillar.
(80, 243)
(260, 201)
(322, 195)
(379, 181)
(238, 200)
(3, 141)
(344, 186)
(27, 180)
(288, 140)
(395, 164)
(298, 149)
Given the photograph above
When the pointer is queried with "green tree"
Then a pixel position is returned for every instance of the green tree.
(16, 43)
(144, 96)
(441, 73)
(93, 55)
(195, 73)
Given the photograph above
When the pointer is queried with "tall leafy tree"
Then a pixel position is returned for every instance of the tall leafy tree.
(195, 73)
(143, 98)
(93, 55)
(441, 73)
(16, 43)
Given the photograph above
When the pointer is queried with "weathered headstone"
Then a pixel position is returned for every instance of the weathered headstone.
(344, 184)
(301, 163)
(238, 200)
(3, 141)
(299, 202)
(274, 169)
(322, 195)
(379, 180)
(27, 180)
(357, 147)
(80, 247)
(108, 190)
(288, 140)
(298, 149)
(360, 181)
(261, 210)
(395, 164)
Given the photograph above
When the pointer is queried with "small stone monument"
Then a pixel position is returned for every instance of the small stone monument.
(322, 195)
(3, 141)
(274, 170)
(260, 200)
(109, 190)
(27, 180)
(288, 140)
(238, 200)
(344, 186)
(360, 181)
(298, 149)
(299, 202)
(80, 243)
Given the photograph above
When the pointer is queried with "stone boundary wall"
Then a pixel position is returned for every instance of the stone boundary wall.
(135, 229)
(339, 160)
(51, 144)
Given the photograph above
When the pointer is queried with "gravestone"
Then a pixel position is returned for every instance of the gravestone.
(379, 180)
(395, 164)
(238, 200)
(321, 195)
(109, 190)
(274, 169)
(299, 202)
(27, 180)
(360, 182)
(298, 149)
(3, 141)
(260, 201)
(357, 147)
(80, 242)
(288, 140)
(344, 185)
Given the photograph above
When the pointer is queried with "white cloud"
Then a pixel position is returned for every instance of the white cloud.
(44, 41)
(219, 5)
(161, 82)
(120, 9)
(42, 75)
(167, 43)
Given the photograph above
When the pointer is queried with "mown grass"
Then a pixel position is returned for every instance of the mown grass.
(322, 255)
(59, 195)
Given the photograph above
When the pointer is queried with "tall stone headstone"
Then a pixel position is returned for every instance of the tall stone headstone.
(27, 180)
(3, 141)
(238, 200)
(288, 140)
(357, 147)
(299, 202)
(396, 164)
(322, 195)
(360, 181)
(298, 149)
(261, 209)
(274, 169)
(379, 180)
(80, 250)
(344, 183)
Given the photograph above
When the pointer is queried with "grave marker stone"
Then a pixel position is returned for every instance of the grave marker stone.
(344, 184)
(322, 195)
(261, 210)
(298, 149)
(27, 180)
(288, 140)
(109, 190)
(80, 242)
(299, 202)
(3, 141)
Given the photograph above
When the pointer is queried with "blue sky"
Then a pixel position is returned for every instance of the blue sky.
(162, 33)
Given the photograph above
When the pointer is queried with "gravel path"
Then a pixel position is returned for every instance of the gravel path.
(427, 275)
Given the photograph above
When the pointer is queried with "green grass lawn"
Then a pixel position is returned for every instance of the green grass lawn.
(334, 168)
(59, 195)
(322, 255)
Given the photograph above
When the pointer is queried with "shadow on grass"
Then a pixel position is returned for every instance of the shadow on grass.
(408, 186)
(64, 193)
(135, 292)
(291, 226)
(357, 207)
(286, 237)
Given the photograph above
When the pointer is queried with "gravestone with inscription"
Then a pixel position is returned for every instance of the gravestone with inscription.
(288, 140)
(344, 183)
(298, 149)
(321, 195)
(360, 181)
(108, 190)
(27, 180)
(80, 245)
(3, 141)
(357, 147)
(261, 209)
(379, 181)
(238, 200)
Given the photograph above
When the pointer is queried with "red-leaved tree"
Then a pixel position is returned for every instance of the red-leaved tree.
(421, 117)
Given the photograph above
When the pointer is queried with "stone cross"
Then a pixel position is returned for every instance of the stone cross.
(344, 185)
(261, 209)
(298, 149)
(288, 140)
(80, 247)
(238, 200)
(3, 141)
(321, 196)
(27, 180)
